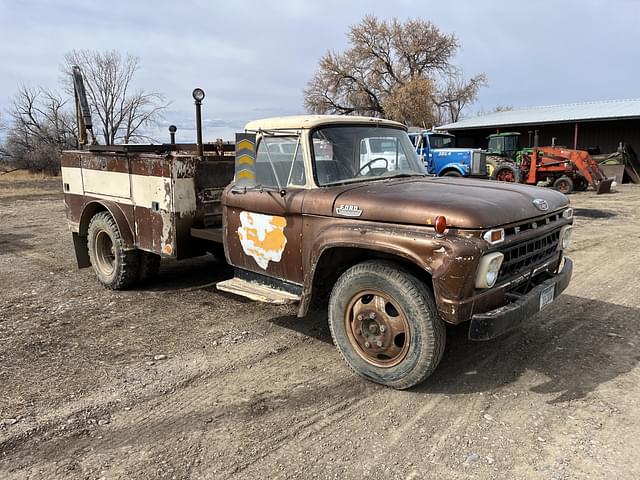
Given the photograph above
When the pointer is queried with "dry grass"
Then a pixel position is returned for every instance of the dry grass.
(21, 183)
(23, 175)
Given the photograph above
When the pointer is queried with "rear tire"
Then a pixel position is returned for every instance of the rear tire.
(506, 172)
(385, 324)
(115, 267)
(563, 185)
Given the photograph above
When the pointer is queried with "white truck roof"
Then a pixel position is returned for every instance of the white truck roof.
(298, 122)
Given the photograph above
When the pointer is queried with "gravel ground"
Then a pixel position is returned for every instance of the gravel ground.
(179, 381)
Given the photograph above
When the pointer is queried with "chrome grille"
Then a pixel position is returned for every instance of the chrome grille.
(539, 222)
(521, 256)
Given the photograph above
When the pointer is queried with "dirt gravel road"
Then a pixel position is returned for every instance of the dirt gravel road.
(179, 381)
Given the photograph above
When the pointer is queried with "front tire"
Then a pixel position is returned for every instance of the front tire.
(115, 267)
(385, 325)
(564, 185)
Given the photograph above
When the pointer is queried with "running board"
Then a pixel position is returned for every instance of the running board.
(257, 291)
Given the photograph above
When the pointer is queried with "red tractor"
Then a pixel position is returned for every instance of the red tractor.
(564, 169)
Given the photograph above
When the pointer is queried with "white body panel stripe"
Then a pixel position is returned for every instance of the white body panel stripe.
(113, 184)
(146, 190)
(72, 177)
(140, 190)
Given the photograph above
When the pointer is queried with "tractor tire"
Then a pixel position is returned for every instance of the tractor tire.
(115, 267)
(384, 323)
(149, 266)
(563, 185)
(452, 173)
(507, 172)
(580, 184)
(492, 162)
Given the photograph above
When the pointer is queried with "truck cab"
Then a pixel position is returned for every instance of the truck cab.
(338, 210)
(437, 149)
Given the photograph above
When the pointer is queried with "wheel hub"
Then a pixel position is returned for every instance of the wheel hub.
(105, 253)
(377, 328)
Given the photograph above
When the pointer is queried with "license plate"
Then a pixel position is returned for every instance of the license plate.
(546, 297)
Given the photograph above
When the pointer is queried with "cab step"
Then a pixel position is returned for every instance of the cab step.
(257, 291)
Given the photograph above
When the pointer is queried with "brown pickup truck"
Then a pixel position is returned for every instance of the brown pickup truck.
(303, 214)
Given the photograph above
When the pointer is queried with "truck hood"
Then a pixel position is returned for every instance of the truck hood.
(466, 203)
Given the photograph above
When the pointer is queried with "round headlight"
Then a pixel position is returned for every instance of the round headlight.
(198, 94)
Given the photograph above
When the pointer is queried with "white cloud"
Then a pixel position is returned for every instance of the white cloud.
(253, 58)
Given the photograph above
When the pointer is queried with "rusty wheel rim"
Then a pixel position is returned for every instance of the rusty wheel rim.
(505, 176)
(563, 186)
(105, 253)
(377, 328)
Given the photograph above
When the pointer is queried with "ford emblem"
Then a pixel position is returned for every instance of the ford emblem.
(541, 204)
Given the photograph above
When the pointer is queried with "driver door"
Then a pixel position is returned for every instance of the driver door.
(263, 225)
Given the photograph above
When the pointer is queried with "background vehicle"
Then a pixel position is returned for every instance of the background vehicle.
(381, 152)
(397, 253)
(442, 159)
(561, 168)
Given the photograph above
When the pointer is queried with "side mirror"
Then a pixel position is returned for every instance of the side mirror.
(245, 171)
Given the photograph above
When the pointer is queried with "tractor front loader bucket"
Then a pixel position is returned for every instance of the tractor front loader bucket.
(604, 186)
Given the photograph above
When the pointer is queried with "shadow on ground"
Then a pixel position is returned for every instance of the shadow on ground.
(577, 343)
(191, 274)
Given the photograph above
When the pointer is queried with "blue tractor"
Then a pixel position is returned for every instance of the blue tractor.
(441, 157)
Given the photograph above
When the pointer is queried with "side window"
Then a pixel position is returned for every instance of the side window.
(279, 162)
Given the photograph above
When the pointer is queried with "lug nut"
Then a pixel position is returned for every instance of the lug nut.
(360, 317)
(372, 315)
(367, 344)
(379, 343)
(382, 328)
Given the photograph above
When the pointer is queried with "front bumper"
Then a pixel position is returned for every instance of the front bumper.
(491, 324)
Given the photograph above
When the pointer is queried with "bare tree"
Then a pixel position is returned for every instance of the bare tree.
(392, 69)
(455, 95)
(42, 126)
(3, 149)
(122, 112)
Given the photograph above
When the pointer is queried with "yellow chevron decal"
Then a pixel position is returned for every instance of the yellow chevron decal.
(246, 145)
(244, 158)
(245, 174)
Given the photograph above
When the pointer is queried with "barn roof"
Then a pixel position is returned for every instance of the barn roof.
(570, 112)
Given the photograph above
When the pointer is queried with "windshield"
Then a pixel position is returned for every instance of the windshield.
(344, 154)
(441, 141)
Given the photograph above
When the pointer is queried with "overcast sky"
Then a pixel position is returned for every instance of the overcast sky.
(253, 58)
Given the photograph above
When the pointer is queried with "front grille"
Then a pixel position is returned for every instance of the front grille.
(478, 163)
(520, 257)
(529, 225)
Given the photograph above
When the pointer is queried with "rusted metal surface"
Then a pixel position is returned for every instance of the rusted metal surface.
(288, 235)
(154, 198)
(377, 328)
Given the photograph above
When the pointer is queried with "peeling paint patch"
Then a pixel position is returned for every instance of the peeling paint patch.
(262, 237)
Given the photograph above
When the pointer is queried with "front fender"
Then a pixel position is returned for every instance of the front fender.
(450, 260)
(460, 168)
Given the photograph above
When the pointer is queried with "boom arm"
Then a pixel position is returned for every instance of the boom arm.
(83, 113)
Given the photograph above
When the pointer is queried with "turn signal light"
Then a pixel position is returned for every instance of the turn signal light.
(440, 224)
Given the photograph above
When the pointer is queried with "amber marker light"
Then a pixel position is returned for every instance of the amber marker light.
(440, 224)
